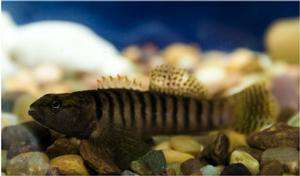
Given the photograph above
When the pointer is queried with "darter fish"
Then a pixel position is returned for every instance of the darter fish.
(175, 102)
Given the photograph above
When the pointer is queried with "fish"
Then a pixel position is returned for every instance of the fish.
(175, 102)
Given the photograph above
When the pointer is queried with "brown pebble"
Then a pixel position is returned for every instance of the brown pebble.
(191, 166)
(236, 169)
(272, 168)
(62, 146)
(97, 159)
(256, 153)
(217, 152)
(279, 135)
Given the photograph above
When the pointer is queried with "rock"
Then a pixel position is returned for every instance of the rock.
(173, 169)
(246, 159)
(236, 139)
(186, 144)
(217, 152)
(163, 146)
(272, 168)
(8, 119)
(69, 165)
(128, 173)
(235, 169)
(21, 147)
(191, 166)
(31, 163)
(153, 162)
(210, 170)
(21, 107)
(3, 160)
(28, 133)
(53, 172)
(294, 121)
(279, 135)
(97, 159)
(287, 156)
(176, 156)
(255, 153)
(63, 146)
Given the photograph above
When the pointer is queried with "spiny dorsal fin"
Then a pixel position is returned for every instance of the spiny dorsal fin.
(122, 82)
(253, 107)
(176, 81)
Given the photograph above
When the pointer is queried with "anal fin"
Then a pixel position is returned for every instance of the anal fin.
(177, 81)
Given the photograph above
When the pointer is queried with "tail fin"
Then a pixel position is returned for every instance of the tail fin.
(253, 107)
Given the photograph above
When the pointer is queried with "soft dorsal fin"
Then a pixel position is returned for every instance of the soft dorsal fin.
(176, 81)
(253, 107)
(122, 82)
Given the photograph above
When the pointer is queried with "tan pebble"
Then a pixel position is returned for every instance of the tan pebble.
(236, 139)
(176, 156)
(163, 146)
(186, 144)
(245, 158)
(69, 165)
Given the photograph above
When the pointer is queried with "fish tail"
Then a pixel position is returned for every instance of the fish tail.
(253, 108)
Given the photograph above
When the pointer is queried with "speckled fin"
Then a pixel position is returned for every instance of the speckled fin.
(122, 82)
(253, 107)
(176, 81)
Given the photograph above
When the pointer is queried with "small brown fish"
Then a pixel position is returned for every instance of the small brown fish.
(175, 103)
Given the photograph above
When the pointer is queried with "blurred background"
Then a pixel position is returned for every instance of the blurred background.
(55, 47)
(212, 25)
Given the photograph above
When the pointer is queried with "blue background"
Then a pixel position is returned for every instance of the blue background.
(213, 25)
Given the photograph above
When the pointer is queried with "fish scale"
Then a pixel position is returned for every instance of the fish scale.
(153, 112)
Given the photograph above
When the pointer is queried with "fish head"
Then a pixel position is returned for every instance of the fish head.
(72, 114)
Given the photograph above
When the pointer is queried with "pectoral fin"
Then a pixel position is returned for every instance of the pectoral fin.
(176, 81)
(125, 144)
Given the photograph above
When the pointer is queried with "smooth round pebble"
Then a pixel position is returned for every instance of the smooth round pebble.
(245, 158)
(173, 156)
(186, 144)
(30, 163)
(210, 170)
(69, 165)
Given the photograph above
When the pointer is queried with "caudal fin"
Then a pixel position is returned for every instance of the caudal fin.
(253, 107)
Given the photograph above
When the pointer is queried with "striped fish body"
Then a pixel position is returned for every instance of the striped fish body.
(159, 113)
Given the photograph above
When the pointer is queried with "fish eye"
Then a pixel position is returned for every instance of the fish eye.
(56, 104)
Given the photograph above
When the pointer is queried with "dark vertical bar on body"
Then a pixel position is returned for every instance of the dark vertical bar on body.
(186, 112)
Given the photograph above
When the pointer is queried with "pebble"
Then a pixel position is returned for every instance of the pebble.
(69, 165)
(255, 153)
(294, 121)
(217, 152)
(245, 158)
(8, 119)
(174, 169)
(30, 163)
(287, 156)
(236, 169)
(272, 168)
(62, 146)
(191, 166)
(279, 135)
(211, 170)
(3, 160)
(153, 162)
(129, 173)
(186, 144)
(29, 133)
(176, 156)
(163, 146)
